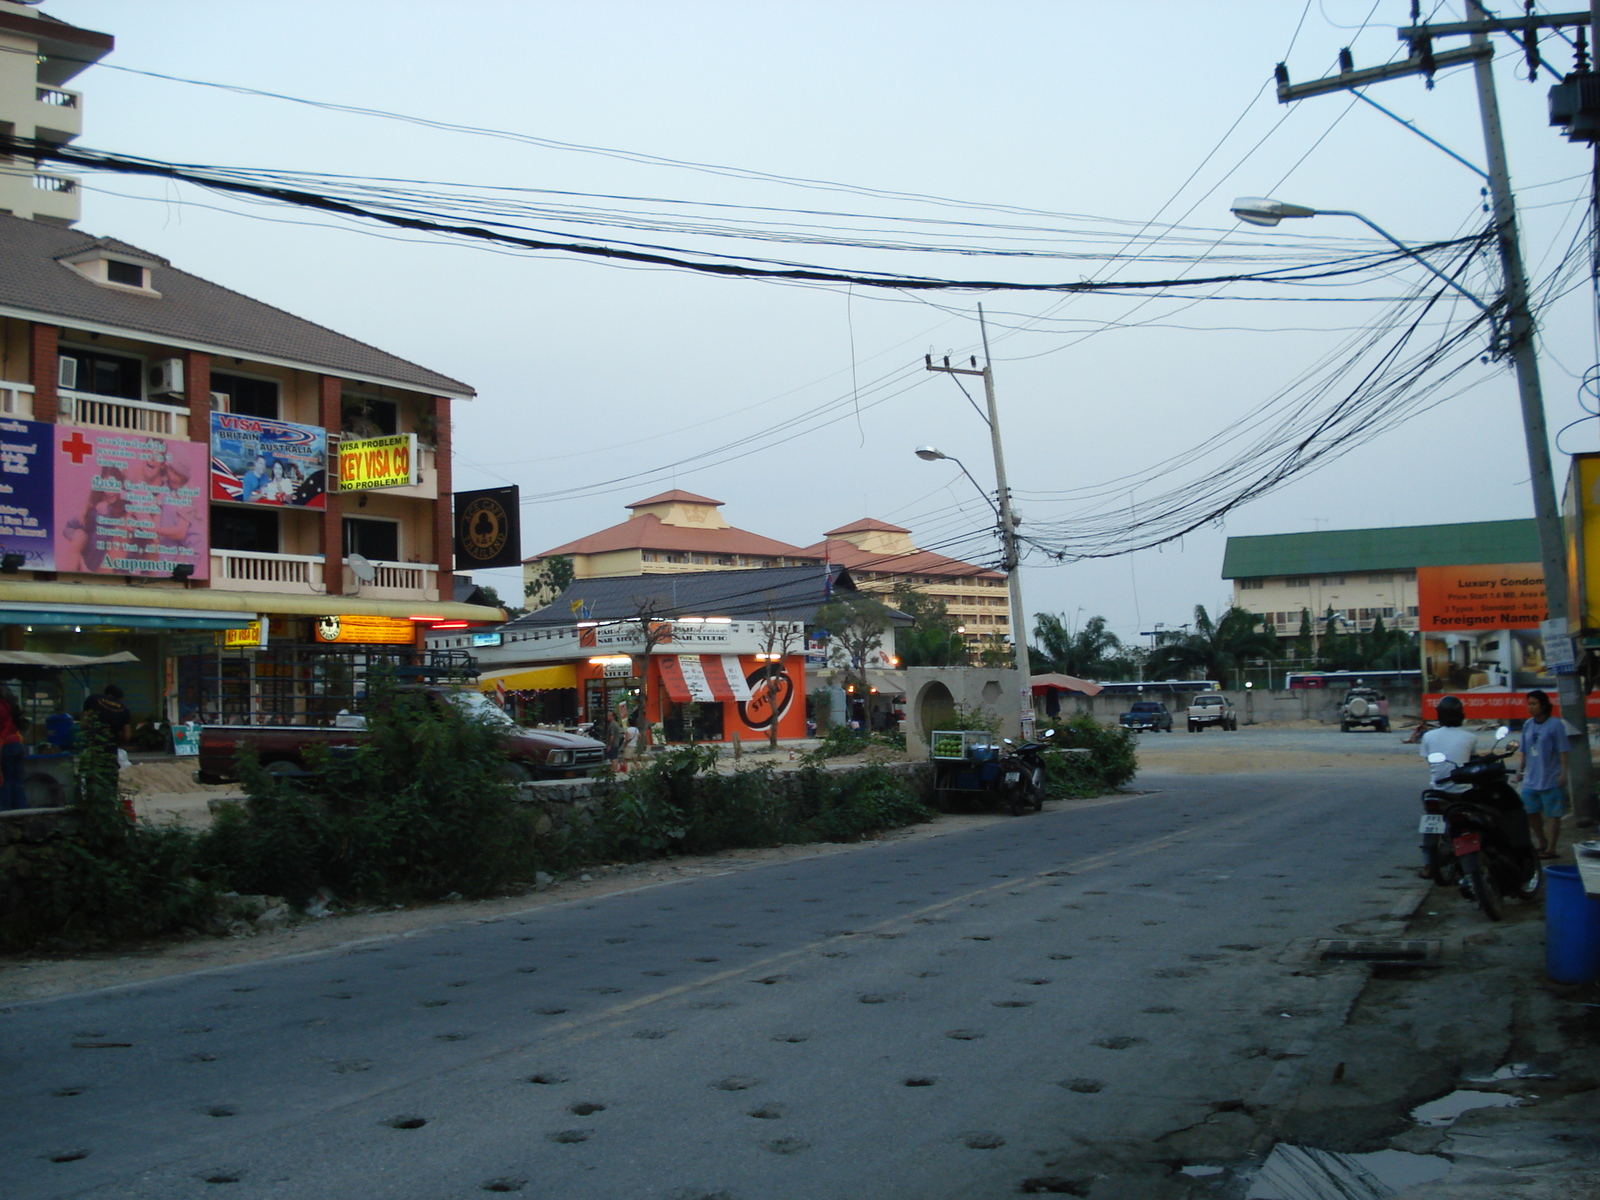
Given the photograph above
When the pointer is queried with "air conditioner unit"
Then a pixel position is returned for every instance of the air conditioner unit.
(67, 373)
(166, 377)
(221, 402)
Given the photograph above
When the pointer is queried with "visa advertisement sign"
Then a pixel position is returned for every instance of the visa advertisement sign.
(379, 462)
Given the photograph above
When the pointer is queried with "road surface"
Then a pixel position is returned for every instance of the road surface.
(1022, 1005)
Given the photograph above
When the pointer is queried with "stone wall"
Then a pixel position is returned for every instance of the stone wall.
(1257, 706)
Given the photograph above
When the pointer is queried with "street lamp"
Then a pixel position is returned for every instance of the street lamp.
(1255, 210)
(929, 454)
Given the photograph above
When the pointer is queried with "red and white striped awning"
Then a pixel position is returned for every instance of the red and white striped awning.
(703, 677)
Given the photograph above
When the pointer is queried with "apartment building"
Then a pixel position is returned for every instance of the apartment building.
(1361, 575)
(40, 56)
(255, 506)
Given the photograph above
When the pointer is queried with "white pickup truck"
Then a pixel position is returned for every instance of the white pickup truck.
(1211, 708)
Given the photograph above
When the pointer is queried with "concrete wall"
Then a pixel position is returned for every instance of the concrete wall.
(932, 693)
(1259, 706)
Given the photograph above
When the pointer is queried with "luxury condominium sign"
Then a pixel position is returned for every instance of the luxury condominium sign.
(380, 462)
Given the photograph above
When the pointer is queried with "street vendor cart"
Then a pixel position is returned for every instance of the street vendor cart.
(40, 680)
(969, 767)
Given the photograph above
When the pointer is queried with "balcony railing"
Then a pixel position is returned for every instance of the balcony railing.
(56, 97)
(55, 183)
(16, 400)
(242, 570)
(137, 416)
(395, 581)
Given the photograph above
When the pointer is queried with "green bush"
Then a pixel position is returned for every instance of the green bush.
(104, 878)
(420, 809)
(1111, 763)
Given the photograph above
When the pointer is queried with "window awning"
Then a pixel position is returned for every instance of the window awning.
(703, 678)
(530, 679)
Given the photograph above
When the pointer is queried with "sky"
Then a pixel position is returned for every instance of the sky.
(1061, 128)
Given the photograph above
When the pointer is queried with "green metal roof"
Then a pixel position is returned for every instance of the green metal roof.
(1335, 551)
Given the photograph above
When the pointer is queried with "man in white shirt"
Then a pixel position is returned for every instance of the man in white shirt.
(1458, 745)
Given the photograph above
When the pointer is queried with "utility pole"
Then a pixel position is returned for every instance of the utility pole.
(1008, 524)
(1519, 344)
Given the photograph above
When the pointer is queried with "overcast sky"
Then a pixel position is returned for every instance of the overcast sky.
(590, 372)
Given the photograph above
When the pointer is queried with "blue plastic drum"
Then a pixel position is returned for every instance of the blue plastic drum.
(1571, 928)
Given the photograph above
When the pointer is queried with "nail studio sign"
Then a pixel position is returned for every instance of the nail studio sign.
(366, 464)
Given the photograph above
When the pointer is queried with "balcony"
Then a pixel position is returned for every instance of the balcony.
(427, 485)
(133, 416)
(57, 113)
(16, 400)
(55, 197)
(395, 581)
(243, 571)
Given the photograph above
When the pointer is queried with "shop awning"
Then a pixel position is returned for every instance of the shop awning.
(39, 658)
(162, 607)
(530, 679)
(1056, 682)
(703, 678)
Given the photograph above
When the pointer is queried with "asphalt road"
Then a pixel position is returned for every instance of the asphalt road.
(941, 1017)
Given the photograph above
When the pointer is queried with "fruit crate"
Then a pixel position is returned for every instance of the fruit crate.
(964, 745)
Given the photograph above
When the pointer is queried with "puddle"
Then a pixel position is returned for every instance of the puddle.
(1443, 1111)
(1305, 1173)
(1511, 1071)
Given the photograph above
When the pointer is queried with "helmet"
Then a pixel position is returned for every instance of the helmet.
(1450, 710)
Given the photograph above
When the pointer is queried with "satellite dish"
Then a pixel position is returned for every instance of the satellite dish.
(361, 568)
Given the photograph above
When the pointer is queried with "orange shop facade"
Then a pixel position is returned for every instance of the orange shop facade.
(703, 680)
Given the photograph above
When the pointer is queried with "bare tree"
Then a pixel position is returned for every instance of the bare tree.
(779, 639)
(654, 630)
(856, 623)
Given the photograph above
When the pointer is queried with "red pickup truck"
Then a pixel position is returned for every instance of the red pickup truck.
(530, 753)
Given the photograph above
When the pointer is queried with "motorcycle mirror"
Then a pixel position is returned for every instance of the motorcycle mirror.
(1436, 758)
(1007, 741)
(1049, 733)
(1502, 732)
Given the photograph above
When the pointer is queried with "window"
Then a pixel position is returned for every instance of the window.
(1297, 581)
(725, 560)
(369, 416)
(1379, 577)
(247, 397)
(1333, 581)
(374, 539)
(1249, 585)
(248, 529)
(102, 374)
(648, 556)
(675, 558)
(127, 273)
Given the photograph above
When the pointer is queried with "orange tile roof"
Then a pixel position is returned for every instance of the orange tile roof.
(649, 533)
(920, 562)
(674, 494)
(866, 525)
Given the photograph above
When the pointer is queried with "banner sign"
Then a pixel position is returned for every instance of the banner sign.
(252, 636)
(257, 461)
(1482, 639)
(489, 530)
(1505, 596)
(388, 631)
(27, 492)
(380, 462)
(129, 504)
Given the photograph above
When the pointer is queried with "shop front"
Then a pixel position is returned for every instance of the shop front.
(727, 697)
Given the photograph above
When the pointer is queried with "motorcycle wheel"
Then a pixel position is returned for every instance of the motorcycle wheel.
(1485, 893)
(1446, 866)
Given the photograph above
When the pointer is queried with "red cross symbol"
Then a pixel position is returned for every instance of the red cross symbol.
(77, 447)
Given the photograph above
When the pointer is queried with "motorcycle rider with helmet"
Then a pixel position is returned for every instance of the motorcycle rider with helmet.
(1458, 746)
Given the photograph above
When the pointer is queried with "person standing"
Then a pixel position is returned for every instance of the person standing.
(1544, 773)
(13, 752)
(108, 713)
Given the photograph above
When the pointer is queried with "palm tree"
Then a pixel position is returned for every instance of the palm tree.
(1090, 652)
(1215, 650)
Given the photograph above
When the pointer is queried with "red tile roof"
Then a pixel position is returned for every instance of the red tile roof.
(866, 525)
(920, 562)
(650, 533)
(674, 494)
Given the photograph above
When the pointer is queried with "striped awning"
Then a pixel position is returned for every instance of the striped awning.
(703, 678)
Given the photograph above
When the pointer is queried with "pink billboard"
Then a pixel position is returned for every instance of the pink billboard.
(130, 504)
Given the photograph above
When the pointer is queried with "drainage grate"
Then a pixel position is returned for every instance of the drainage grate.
(1413, 951)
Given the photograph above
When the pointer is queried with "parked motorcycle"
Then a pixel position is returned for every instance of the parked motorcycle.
(1478, 839)
(1023, 774)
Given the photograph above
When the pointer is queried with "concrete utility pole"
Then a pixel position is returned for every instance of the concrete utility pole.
(1519, 344)
(1008, 525)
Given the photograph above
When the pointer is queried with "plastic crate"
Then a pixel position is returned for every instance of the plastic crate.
(964, 745)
